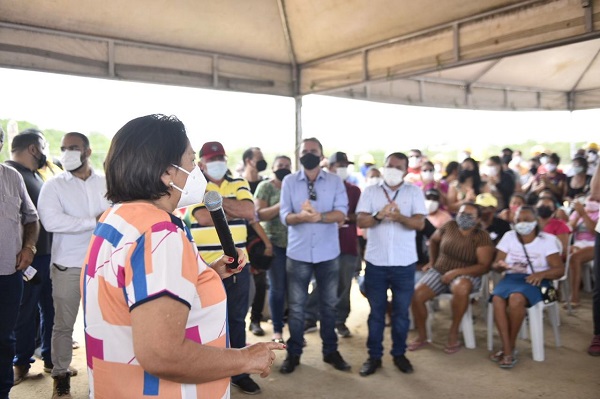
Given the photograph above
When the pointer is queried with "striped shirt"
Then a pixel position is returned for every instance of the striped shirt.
(206, 237)
(139, 253)
(458, 251)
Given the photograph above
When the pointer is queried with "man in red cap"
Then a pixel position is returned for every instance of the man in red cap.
(238, 206)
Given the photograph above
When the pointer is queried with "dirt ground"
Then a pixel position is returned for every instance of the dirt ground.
(567, 372)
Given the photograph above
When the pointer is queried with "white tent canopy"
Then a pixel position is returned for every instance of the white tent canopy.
(492, 54)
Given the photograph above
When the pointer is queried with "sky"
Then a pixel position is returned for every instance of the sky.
(239, 120)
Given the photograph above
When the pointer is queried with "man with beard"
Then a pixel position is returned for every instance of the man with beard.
(27, 153)
(69, 206)
(313, 204)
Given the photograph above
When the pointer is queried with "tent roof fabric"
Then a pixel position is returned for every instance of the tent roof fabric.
(493, 54)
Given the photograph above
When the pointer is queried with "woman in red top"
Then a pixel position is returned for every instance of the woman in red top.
(549, 224)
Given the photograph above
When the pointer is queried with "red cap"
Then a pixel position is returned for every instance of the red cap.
(212, 149)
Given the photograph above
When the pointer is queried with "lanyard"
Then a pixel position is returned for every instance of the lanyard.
(390, 200)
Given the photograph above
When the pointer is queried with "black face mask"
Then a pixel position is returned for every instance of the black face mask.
(544, 211)
(281, 173)
(41, 161)
(261, 165)
(310, 161)
(533, 170)
(464, 175)
(506, 159)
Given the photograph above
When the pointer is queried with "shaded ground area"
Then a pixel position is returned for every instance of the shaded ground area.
(567, 372)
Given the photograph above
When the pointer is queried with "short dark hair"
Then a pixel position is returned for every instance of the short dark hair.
(23, 140)
(249, 154)
(139, 154)
(399, 155)
(282, 157)
(32, 130)
(417, 151)
(83, 137)
(554, 157)
(496, 159)
(314, 140)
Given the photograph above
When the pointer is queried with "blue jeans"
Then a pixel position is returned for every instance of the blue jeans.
(299, 274)
(348, 264)
(401, 280)
(36, 297)
(277, 283)
(11, 289)
(237, 288)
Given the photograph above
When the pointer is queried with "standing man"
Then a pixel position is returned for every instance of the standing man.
(27, 153)
(348, 260)
(19, 228)
(239, 210)
(70, 205)
(392, 211)
(254, 163)
(313, 204)
(594, 348)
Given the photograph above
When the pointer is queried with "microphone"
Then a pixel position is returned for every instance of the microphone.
(214, 203)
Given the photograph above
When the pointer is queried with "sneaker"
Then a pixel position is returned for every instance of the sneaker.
(246, 385)
(62, 387)
(310, 326)
(594, 349)
(336, 360)
(403, 364)
(256, 329)
(343, 331)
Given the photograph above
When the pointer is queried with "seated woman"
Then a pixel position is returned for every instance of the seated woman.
(436, 215)
(531, 259)
(583, 222)
(516, 201)
(560, 213)
(460, 252)
(579, 182)
(546, 209)
(553, 179)
(467, 187)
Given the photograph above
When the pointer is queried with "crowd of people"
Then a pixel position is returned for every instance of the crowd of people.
(166, 310)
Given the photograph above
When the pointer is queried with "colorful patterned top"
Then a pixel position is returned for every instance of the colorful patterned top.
(139, 253)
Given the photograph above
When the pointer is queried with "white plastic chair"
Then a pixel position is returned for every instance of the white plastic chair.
(466, 324)
(587, 276)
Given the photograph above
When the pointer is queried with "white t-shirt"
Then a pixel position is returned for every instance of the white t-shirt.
(543, 245)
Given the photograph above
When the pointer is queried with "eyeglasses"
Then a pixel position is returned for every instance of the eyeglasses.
(312, 194)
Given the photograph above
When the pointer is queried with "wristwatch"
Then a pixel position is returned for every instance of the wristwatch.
(374, 214)
(32, 248)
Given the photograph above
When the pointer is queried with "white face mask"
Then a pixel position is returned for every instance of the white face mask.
(432, 206)
(392, 176)
(414, 162)
(544, 160)
(427, 176)
(592, 157)
(491, 171)
(194, 188)
(216, 170)
(342, 173)
(71, 159)
(550, 167)
(373, 181)
(524, 228)
(577, 169)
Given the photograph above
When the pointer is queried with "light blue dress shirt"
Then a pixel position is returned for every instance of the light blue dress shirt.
(313, 242)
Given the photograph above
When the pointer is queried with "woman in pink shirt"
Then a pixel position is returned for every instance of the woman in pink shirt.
(550, 224)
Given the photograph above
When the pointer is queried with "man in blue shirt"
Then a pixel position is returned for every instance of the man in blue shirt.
(313, 203)
(393, 211)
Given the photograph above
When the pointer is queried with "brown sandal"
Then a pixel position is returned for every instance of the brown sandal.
(497, 357)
